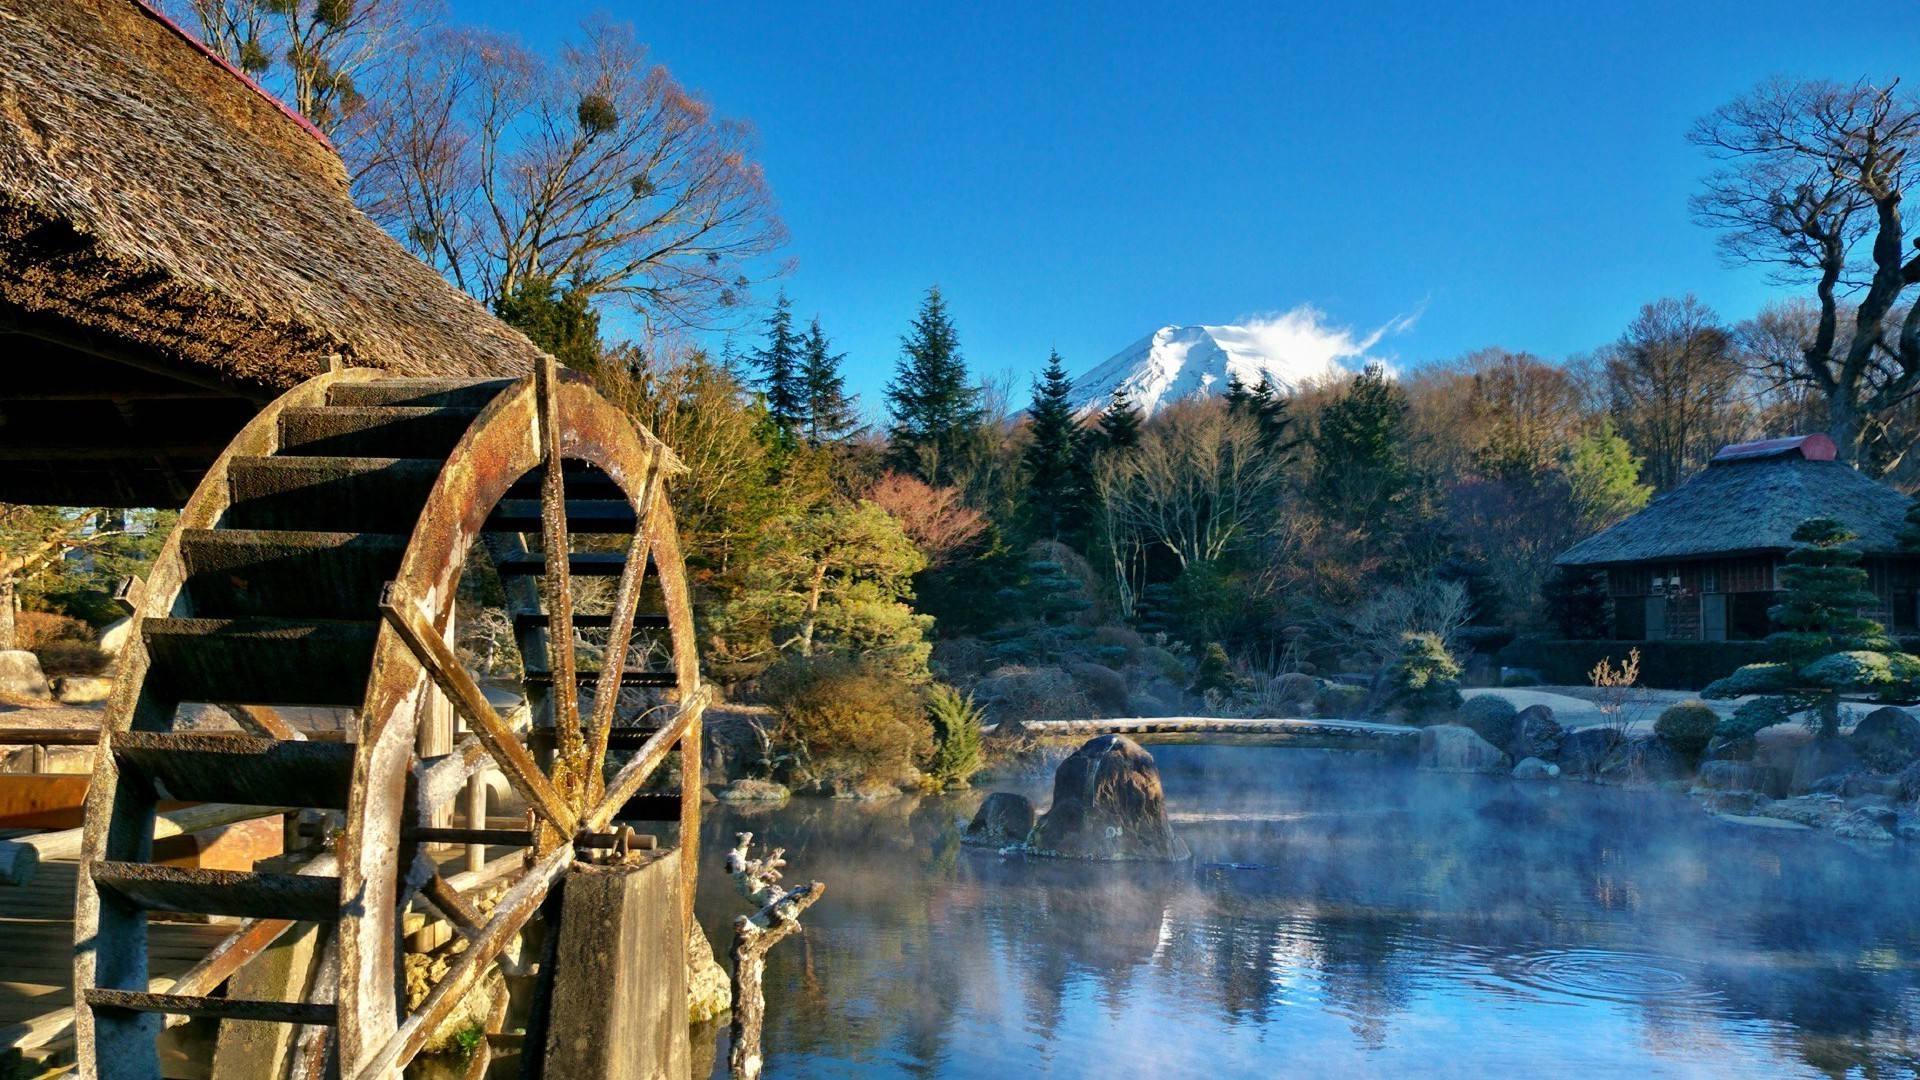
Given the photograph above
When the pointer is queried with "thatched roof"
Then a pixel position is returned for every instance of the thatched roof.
(1748, 501)
(155, 204)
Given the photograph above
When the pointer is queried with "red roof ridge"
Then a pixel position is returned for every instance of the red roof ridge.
(201, 46)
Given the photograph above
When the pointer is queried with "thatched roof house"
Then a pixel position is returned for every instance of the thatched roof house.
(176, 247)
(1700, 561)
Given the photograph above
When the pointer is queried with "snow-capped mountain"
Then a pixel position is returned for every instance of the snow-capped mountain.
(1177, 362)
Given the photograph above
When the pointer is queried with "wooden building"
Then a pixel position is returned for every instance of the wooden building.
(1702, 562)
(176, 249)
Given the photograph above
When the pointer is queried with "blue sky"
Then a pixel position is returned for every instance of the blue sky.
(1075, 176)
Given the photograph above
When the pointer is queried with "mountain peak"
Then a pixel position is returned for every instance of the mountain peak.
(1177, 362)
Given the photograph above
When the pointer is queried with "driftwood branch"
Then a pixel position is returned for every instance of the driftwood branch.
(758, 880)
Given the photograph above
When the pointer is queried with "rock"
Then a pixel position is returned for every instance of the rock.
(1821, 759)
(82, 689)
(1740, 776)
(1534, 769)
(20, 675)
(754, 791)
(1536, 734)
(113, 636)
(1814, 811)
(1856, 785)
(1003, 818)
(709, 992)
(1108, 804)
(1886, 740)
(1457, 749)
(1583, 750)
(1871, 823)
(1643, 760)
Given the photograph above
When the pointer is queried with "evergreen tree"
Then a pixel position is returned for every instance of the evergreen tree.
(562, 324)
(1120, 422)
(1603, 475)
(1578, 603)
(1237, 396)
(930, 399)
(830, 411)
(1056, 467)
(1360, 464)
(1276, 423)
(779, 364)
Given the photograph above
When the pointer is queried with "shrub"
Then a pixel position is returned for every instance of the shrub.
(1492, 717)
(1215, 672)
(72, 658)
(1665, 665)
(1514, 680)
(1748, 719)
(1687, 727)
(1167, 665)
(37, 629)
(1338, 701)
(1750, 679)
(1294, 688)
(1124, 638)
(1105, 688)
(845, 718)
(1425, 678)
(1020, 695)
(956, 735)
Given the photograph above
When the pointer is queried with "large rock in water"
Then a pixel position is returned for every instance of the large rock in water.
(20, 675)
(1107, 804)
(1584, 749)
(1003, 818)
(1458, 749)
(1536, 734)
(1822, 758)
(1887, 740)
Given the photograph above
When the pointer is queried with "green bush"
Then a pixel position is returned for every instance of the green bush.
(1748, 719)
(1167, 665)
(956, 735)
(1664, 665)
(1518, 679)
(1492, 717)
(1749, 679)
(1688, 727)
(1425, 678)
(1215, 673)
(844, 718)
(1293, 688)
(1338, 701)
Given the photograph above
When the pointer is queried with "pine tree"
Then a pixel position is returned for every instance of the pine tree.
(830, 411)
(563, 324)
(930, 399)
(1360, 465)
(778, 364)
(1276, 423)
(1238, 399)
(1823, 589)
(1056, 467)
(1120, 422)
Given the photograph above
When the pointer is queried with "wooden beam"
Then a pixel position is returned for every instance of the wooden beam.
(444, 668)
(645, 760)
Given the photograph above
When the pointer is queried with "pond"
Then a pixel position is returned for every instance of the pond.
(1342, 916)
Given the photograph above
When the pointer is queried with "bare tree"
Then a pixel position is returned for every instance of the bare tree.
(1675, 388)
(1498, 413)
(594, 168)
(758, 881)
(1814, 172)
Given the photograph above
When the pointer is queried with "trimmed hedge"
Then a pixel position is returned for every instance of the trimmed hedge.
(1664, 665)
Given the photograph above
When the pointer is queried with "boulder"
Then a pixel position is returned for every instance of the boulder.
(1821, 759)
(754, 791)
(1644, 760)
(1457, 749)
(1003, 818)
(1869, 823)
(709, 991)
(1584, 750)
(20, 675)
(1886, 740)
(113, 636)
(1108, 804)
(82, 689)
(1536, 734)
(1741, 776)
(1534, 769)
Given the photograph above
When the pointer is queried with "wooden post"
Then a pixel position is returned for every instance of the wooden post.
(619, 1001)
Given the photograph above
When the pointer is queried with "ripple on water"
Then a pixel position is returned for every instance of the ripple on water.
(1630, 978)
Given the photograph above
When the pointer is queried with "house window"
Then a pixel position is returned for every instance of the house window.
(1709, 579)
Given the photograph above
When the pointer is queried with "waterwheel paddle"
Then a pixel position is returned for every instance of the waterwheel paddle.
(318, 564)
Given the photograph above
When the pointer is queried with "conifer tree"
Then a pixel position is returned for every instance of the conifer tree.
(778, 364)
(560, 322)
(1360, 465)
(830, 412)
(930, 398)
(1056, 467)
(1276, 423)
(1120, 422)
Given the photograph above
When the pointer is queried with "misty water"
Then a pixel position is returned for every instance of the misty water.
(1343, 916)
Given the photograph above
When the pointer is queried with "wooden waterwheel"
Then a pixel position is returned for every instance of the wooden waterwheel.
(320, 564)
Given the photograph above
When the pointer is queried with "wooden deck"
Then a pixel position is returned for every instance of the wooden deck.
(36, 958)
(1276, 731)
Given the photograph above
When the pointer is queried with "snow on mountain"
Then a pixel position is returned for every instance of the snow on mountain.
(1177, 362)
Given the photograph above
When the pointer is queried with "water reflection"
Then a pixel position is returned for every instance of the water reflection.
(1343, 917)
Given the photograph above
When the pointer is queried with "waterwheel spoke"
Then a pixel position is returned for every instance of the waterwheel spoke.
(626, 601)
(557, 583)
(627, 783)
(445, 669)
(515, 908)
